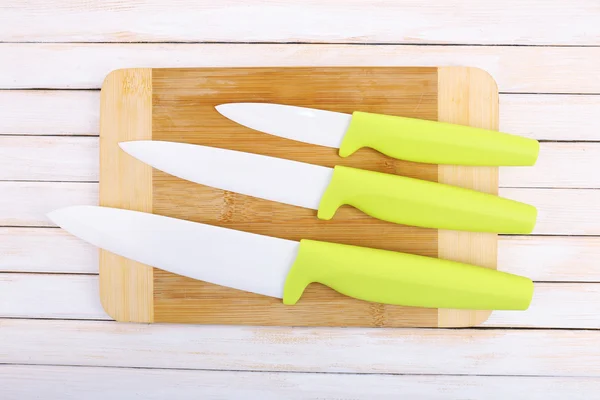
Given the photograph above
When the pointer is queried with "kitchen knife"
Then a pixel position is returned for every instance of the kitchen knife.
(399, 137)
(387, 197)
(283, 268)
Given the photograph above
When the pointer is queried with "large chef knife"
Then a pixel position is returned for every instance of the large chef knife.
(399, 137)
(388, 197)
(283, 268)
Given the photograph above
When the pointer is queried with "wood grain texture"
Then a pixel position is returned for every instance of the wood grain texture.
(183, 110)
(126, 114)
(468, 96)
(531, 352)
(556, 117)
(355, 21)
(100, 383)
(516, 69)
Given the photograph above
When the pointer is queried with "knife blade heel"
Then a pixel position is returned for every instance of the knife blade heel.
(417, 202)
(390, 277)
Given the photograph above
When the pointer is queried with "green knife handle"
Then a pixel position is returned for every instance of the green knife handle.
(436, 142)
(417, 202)
(390, 277)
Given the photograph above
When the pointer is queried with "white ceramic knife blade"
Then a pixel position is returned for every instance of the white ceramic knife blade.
(227, 257)
(271, 178)
(308, 125)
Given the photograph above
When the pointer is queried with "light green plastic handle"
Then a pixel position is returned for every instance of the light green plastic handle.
(404, 279)
(436, 142)
(416, 202)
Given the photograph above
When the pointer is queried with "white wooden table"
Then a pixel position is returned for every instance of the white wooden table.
(56, 342)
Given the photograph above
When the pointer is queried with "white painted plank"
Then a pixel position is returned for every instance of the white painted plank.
(348, 350)
(560, 211)
(554, 305)
(516, 69)
(551, 117)
(49, 158)
(551, 258)
(54, 112)
(27, 382)
(541, 258)
(27, 203)
(50, 296)
(388, 21)
(45, 250)
(58, 112)
(560, 165)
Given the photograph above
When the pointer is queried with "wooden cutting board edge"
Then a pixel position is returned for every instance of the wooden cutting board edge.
(466, 95)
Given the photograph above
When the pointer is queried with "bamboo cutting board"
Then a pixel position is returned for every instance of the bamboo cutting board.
(178, 105)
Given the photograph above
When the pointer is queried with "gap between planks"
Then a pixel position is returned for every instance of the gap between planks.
(473, 22)
(84, 66)
(99, 383)
(349, 350)
(76, 113)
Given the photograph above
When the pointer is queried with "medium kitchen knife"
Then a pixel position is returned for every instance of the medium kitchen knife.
(399, 137)
(388, 197)
(283, 268)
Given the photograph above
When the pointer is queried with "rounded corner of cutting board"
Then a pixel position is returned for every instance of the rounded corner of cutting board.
(119, 74)
(111, 299)
(477, 75)
(126, 289)
(123, 83)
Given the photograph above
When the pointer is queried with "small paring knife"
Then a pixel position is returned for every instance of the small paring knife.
(403, 138)
(283, 268)
(388, 197)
